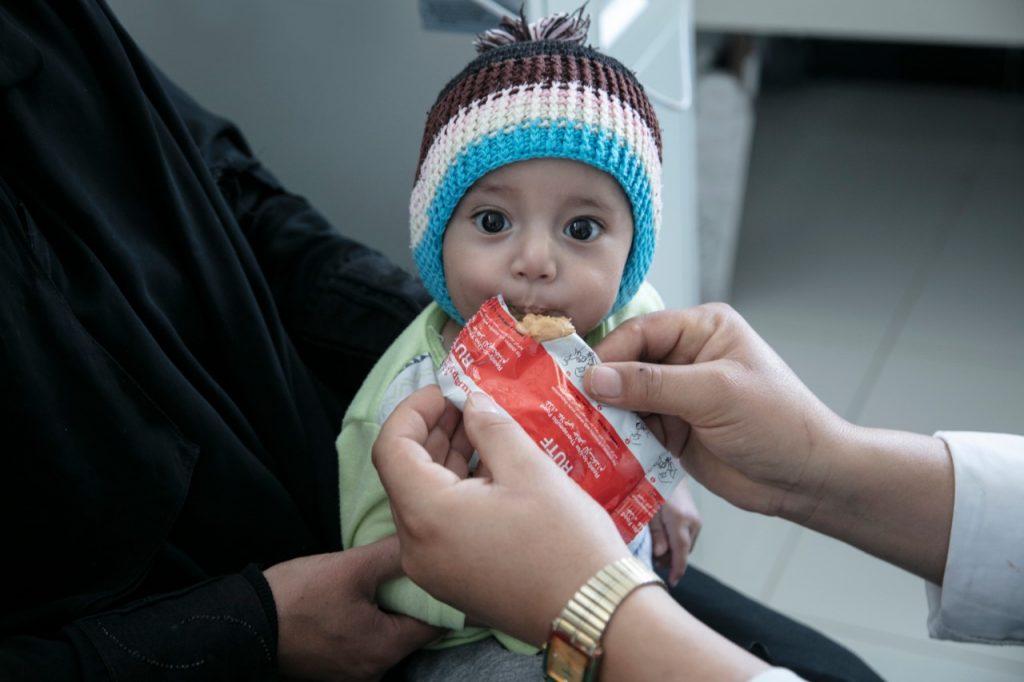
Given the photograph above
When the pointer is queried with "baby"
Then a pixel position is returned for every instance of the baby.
(539, 179)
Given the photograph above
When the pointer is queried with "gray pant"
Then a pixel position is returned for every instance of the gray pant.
(483, 660)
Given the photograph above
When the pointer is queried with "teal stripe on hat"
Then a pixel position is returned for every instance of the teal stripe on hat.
(541, 138)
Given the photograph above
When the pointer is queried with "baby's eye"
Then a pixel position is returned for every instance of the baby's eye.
(491, 222)
(583, 229)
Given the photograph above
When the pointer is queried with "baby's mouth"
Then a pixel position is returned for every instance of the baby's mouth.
(519, 312)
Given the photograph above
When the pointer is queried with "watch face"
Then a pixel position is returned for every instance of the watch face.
(563, 662)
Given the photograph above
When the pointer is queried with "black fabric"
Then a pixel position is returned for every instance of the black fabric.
(131, 640)
(769, 635)
(179, 337)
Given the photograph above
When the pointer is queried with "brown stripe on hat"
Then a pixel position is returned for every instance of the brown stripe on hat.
(551, 61)
(546, 70)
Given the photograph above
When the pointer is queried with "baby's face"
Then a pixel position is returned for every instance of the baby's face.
(551, 235)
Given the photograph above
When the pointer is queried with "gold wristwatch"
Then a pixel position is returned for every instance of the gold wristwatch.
(573, 652)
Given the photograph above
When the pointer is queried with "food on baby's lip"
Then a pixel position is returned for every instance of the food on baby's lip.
(544, 327)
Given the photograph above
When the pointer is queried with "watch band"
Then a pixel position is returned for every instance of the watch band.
(573, 651)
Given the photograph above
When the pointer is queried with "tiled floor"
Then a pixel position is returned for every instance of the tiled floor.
(882, 255)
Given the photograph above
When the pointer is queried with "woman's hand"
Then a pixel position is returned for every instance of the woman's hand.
(509, 549)
(329, 624)
(760, 439)
(757, 436)
(513, 548)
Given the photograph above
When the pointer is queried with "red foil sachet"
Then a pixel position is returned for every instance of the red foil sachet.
(606, 450)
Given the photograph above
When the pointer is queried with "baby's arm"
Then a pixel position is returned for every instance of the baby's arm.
(674, 531)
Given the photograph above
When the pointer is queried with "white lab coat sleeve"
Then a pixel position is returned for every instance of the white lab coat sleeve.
(982, 593)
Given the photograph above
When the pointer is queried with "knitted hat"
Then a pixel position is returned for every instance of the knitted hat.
(535, 91)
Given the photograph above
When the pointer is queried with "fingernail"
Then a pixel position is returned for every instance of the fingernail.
(606, 382)
(481, 401)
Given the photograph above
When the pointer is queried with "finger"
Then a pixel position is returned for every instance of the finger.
(460, 451)
(405, 634)
(655, 425)
(460, 441)
(439, 443)
(687, 391)
(440, 431)
(681, 545)
(410, 478)
(451, 418)
(406, 469)
(456, 464)
(416, 416)
(676, 433)
(381, 561)
(673, 336)
(505, 449)
(659, 541)
(670, 430)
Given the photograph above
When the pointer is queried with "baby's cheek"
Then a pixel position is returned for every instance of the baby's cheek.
(594, 292)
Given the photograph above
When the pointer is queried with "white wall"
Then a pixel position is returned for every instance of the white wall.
(333, 96)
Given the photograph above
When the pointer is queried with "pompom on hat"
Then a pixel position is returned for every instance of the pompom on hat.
(536, 91)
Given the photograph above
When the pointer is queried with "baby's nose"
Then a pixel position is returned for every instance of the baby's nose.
(535, 259)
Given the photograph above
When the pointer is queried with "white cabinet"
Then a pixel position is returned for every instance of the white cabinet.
(974, 22)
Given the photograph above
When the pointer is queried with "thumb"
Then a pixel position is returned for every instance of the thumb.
(505, 448)
(382, 561)
(404, 633)
(686, 391)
